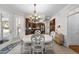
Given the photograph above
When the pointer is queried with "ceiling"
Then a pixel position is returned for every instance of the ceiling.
(42, 9)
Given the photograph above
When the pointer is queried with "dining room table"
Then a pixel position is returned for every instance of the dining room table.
(27, 38)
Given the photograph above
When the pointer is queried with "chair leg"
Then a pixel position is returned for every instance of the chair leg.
(42, 51)
(29, 52)
(32, 51)
(22, 49)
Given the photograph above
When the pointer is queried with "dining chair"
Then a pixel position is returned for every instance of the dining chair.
(25, 48)
(53, 34)
(37, 43)
(37, 32)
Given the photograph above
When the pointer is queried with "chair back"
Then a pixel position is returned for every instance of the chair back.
(37, 41)
(37, 32)
(53, 34)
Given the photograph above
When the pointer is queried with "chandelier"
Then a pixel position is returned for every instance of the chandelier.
(34, 17)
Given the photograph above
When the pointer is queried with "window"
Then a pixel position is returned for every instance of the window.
(5, 27)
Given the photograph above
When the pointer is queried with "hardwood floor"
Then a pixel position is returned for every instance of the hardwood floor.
(62, 50)
(75, 48)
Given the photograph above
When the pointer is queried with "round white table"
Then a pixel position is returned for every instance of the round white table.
(27, 38)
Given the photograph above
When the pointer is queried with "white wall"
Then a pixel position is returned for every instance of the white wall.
(61, 19)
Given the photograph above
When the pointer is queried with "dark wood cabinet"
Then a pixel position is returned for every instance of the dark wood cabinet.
(31, 27)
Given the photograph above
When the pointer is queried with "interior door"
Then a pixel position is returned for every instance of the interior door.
(73, 29)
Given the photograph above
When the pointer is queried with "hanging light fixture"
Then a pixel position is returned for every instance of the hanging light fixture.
(35, 17)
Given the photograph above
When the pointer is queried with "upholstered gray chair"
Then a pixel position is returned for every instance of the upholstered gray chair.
(37, 43)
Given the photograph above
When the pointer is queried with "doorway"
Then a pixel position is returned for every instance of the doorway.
(52, 25)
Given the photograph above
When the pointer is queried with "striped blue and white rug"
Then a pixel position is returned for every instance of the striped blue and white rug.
(7, 48)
